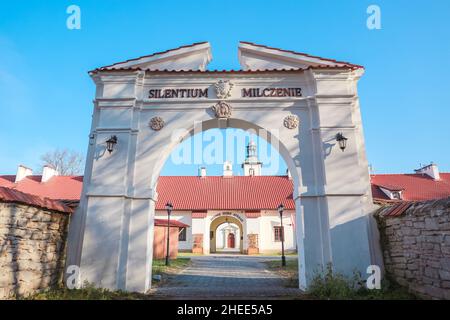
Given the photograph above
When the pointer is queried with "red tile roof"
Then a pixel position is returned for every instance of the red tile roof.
(58, 187)
(416, 187)
(173, 223)
(235, 193)
(14, 196)
(397, 209)
(345, 67)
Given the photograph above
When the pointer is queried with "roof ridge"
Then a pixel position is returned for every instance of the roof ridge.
(103, 69)
(302, 53)
(152, 54)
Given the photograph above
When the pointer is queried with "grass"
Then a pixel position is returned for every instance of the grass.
(334, 286)
(175, 266)
(328, 285)
(289, 272)
(90, 292)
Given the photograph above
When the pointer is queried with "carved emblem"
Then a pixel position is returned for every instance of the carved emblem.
(156, 123)
(291, 122)
(223, 89)
(222, 110)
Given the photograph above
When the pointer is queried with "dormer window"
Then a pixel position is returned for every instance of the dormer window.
(393, 193)
(397, 195)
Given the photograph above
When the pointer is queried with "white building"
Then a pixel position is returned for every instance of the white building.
(230, 213)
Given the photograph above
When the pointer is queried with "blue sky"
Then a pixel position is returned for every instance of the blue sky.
(46, 94)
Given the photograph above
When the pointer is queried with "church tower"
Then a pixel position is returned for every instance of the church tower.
(251, 165)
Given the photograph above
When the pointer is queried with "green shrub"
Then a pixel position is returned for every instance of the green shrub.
(335, 286)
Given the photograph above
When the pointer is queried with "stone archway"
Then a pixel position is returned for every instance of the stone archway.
(214, 225)
(299, 102)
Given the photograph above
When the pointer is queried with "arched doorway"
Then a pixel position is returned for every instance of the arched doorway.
(226, 235)
(300, 108)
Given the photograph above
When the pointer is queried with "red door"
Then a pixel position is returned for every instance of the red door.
(231, 240)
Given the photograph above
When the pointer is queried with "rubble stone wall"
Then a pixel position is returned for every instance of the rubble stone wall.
(32, 246)
(416, 247)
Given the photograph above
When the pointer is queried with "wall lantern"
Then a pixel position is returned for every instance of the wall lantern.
(342, 141)
(110, 143)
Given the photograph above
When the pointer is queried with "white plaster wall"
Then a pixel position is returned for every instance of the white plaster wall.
(198, 226)
(102, 241)
(267, 237)
(253, 225)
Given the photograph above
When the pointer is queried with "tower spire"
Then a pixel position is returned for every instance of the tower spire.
(251, 150)
(251, 165)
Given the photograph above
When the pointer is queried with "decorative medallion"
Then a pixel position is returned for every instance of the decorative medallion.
(156, 123)
(291, 122)
(222, 110)
(223, 89)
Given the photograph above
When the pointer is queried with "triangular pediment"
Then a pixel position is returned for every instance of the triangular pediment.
(259, 57)
(191, 57)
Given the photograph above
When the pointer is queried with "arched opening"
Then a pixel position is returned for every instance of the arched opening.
(185, 133)
(226, 235)
(251, 234)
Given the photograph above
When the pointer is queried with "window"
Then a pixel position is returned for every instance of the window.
(182, 234)
(396, 195)
(278, 233)
(251, 172)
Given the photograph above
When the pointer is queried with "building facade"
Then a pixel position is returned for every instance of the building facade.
(231, 213)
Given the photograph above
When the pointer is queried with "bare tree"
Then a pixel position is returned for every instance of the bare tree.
(66, 162)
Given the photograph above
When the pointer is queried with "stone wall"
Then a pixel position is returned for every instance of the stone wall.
(416, 247)
(32, 244)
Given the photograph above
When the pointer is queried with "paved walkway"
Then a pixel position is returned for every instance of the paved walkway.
(226, 276)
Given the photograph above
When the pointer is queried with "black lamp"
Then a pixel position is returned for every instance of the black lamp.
(169, 208)
(341, 140)
(280, 211)
(110, 143)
